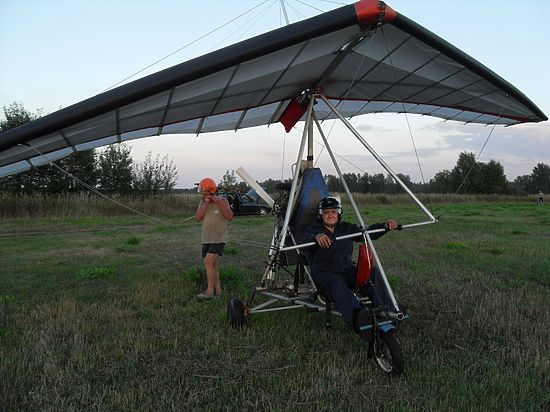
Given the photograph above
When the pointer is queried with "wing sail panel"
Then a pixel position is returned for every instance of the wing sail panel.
(362, 67)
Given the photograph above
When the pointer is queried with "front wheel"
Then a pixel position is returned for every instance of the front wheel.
(387, 352)
(235, 312)
(262, 212)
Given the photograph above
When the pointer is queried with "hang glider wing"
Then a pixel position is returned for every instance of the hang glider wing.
(364, 57)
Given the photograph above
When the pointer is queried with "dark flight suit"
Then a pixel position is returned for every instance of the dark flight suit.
(332, 269)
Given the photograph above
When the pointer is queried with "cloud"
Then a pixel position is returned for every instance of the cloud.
(529, 141)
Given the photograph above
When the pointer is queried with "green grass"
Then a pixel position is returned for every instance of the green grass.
(102, 314)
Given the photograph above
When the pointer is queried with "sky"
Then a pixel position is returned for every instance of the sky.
(54, 53)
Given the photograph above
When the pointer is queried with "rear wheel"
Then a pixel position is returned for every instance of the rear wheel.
(262, 211)
(387, 352)
(235, 312)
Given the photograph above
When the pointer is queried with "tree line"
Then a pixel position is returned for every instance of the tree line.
(112, 170)
(467, 177)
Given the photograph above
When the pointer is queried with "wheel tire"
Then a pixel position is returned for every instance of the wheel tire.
(262, 212)
(235, 311)
(389, 355)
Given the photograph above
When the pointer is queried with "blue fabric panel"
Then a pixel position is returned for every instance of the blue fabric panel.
(313, 189)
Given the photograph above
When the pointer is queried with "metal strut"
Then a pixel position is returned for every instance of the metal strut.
(278, 241)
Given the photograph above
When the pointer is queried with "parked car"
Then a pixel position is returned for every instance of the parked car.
(246, 204)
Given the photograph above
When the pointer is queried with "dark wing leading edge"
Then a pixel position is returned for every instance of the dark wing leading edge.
(364, 57)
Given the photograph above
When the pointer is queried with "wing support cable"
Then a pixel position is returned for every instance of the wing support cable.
(97, 192)
(378, 158)
(131, 209)
(477, 157)
(408, 123)
(187, 45)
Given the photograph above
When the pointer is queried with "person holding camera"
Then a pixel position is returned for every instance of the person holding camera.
(215, 213)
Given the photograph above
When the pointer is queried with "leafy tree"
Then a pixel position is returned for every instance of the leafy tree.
(270, 185)
(352, 180)
(81, 165)
(115, 169)
(391, 185)
(46, 178)
(441, 182)
(333, 184)
(243, 187)
(16, 115)
(540, 179)
(521, 184)
(466, 173)
(363, 183)
(377, 183)
(229, 180)
(493, 179)
(153, 177)
(471, 176)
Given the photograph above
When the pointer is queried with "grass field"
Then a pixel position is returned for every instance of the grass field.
(99, 313)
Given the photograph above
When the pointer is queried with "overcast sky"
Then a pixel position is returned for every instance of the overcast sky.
(55, 53)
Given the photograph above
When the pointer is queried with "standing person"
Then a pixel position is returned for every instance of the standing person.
(330, 260)
(214, 213)
(541, 198)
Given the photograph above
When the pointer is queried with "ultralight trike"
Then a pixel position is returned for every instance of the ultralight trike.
(287, 282)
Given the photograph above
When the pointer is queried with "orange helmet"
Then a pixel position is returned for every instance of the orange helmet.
(207, 185)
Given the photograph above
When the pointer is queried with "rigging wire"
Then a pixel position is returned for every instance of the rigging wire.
(258, 17)
(343, 158)
(334, 2)
(336, 154)
(477, 157)
(283, 8)
(187, 45)
(300, 15)
(408, 123)
(309, 5)
(152, 218)
(254, 19)
(99, 193)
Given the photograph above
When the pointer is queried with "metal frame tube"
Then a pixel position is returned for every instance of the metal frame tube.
(279, 243)
(346, 188)
(295, 177)
(304, 245)
(296, 302)
(376, 156)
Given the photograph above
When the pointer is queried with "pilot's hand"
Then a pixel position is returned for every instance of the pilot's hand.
(323, 240)
(391, 224)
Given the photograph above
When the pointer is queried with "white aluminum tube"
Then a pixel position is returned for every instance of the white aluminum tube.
(377, 157)
(252, 183)
(346, 188)
(295, 177)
